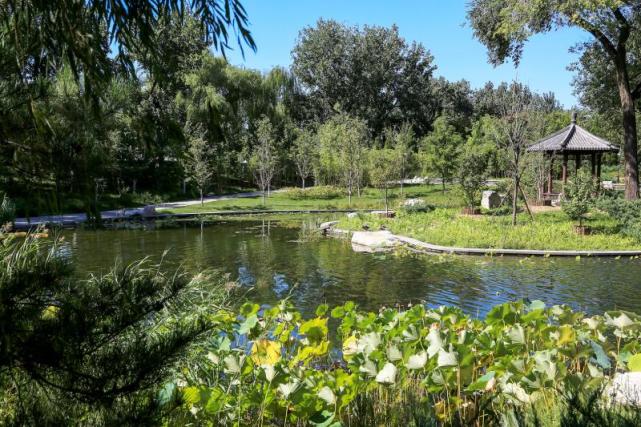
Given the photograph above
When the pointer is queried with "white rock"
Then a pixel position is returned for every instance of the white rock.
(328, 225)
(352, 214)
(413, 202)
(373, 241)
(490, 200)
(626, 388)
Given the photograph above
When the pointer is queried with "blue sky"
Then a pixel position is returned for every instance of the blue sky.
(438, 24)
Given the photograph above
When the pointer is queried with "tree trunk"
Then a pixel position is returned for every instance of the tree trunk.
(629, 129)
(349, 195)
(515, 195)
(386, 205)
(303, 183)
(443, 184)
(202, 198)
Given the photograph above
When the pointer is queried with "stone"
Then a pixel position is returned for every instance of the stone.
(328, 225)
(149, 210)
(490, 200)
(373, 241)
(626, 388)
(352, 214)
(384, 214)
(413, 202)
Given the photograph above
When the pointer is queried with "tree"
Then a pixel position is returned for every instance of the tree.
(81, 32)
(199, 160)
(439, 151)
(264, 160)
(342, 143)
(93, 349)
(304, 154)
(578, 196)
(383, 170)
(402, 141)
(371, 73)
(513, 133)
(472, 173)
(505, 25)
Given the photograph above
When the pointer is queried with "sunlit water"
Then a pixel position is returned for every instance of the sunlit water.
(271, 259)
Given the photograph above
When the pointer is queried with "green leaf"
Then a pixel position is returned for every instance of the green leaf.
(321, 310)
(338, 312)
(536, 305)
(315, 329)
(481, 383)
(601, 358)
(248, 324)
(634, 363)
(166, 393)
(322, 419)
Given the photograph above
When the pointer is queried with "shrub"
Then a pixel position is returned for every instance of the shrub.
(627, 213)
(7, 211)
(270, 366)
(578, 195)
(324, 192)
(471, 174)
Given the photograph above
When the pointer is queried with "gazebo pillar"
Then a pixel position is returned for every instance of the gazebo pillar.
(593, 163)
(598, 166)
(577, 163)
(565, 168)
(550, 178)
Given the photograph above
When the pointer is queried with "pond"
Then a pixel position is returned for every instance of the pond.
(270, 258)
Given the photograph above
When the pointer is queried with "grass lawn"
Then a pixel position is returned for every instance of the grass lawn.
(370, 199)
(445, 225)
(548, 231)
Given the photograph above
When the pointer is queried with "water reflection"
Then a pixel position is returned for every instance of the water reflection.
(269, 257)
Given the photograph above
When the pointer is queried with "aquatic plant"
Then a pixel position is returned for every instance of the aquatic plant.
(269, 366)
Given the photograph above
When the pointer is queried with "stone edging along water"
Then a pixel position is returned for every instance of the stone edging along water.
(382, 240)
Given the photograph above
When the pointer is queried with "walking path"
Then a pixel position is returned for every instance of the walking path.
(78, 218)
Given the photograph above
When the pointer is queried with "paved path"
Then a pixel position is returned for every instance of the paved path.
(78, 218)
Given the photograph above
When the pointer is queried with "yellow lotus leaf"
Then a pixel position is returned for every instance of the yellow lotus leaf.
(350, 347)
(265, 352)
(567, 335)
(50, 312)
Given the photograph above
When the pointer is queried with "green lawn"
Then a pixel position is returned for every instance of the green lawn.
(370, 199)
(548, 231)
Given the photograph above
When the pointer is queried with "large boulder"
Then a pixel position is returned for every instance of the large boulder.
(490, 200)
(328, 225)
(374, 241)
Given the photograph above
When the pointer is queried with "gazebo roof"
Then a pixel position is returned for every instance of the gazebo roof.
(573, 138)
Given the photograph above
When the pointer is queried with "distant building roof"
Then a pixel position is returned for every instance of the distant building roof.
(573, 138)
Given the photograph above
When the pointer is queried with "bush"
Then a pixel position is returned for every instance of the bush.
(270, 366)
(7, 211)
(578, 196)
(472, 174)
(627, 213)
(324, 192)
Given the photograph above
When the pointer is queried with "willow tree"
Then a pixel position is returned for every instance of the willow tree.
(504, 26)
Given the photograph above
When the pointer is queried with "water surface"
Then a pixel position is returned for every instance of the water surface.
(271, 258)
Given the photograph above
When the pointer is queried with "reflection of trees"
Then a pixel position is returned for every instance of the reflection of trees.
(327, 270)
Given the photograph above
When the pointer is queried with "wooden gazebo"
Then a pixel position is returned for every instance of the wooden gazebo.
(575, 141)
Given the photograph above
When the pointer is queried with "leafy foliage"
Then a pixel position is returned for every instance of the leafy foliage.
(90, 349)
(439, 151)
(578, 196)
(272, 366)
(472, 173)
